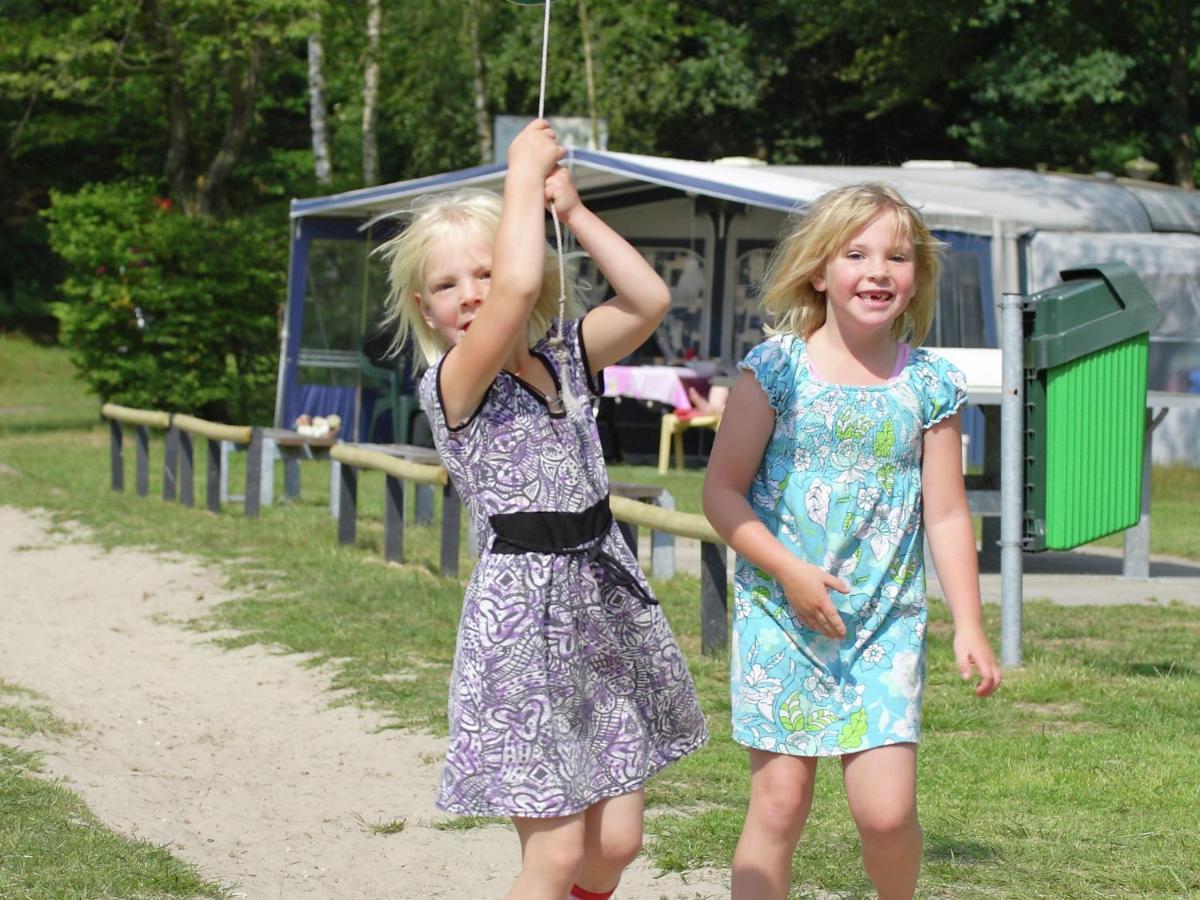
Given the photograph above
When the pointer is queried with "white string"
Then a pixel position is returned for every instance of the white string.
(557, 341)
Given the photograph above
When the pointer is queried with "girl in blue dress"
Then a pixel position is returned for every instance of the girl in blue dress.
(839, 451)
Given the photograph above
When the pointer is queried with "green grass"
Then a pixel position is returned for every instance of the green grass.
(51, 846)
(1078, 780)
(38, 389)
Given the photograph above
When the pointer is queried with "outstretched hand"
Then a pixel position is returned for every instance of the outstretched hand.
(535, 150)
(807, 589)
(972, 650)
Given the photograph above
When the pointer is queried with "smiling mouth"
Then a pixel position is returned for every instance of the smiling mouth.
(875, 296)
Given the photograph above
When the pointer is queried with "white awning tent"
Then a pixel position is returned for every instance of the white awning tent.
(708, 227)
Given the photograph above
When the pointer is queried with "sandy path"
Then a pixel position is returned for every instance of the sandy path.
(234, 760)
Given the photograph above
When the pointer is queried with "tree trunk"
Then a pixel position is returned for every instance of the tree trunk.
(316, 106)
(483, 122)
(370, 142)
(178, 119)
(243, 90)
(1183, 138)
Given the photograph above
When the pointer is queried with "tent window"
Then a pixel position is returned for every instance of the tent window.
(684, 272)
(333, 312)
(958, 321)
(747, 314)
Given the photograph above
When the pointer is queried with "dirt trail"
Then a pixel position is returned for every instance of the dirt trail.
(235, 760)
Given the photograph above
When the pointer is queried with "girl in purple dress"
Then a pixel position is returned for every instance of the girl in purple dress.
(568, 689)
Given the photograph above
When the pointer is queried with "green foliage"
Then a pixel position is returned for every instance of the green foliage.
(165, 311)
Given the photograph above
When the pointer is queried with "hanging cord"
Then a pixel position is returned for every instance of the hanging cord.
(557, 341)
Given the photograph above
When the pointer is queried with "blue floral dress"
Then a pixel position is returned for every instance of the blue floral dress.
(840, 486)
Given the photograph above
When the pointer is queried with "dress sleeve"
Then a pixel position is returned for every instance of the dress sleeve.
(773, 367)
(595, 383)
(944, 389)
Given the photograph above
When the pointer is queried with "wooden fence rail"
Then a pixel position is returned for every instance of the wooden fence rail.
(400, 464)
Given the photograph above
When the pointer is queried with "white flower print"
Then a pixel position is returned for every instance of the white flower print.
(905, 677)
(873, 654)
(760, 689)
(852, 461)
(816, 501)
(849, 695)
(882, 531)
(817, 687)
(868, 498)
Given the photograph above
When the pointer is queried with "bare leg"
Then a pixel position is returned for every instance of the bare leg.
(551, 854)
(781, 792)
(612, 840)
(881, 786)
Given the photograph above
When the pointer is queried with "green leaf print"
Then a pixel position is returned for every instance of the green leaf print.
(760, 594)
(850, 427)
(791, 712)
(853, 731)
(796, 715)
(887, 477)
(885, 439)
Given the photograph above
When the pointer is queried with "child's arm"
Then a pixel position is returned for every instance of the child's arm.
(617, 327)
(518, 257)
(737, 452)
(952, 542)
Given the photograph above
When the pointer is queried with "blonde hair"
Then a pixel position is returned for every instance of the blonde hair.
(434, 218)
(791, 302)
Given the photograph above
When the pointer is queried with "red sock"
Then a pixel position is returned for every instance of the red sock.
(578, 893)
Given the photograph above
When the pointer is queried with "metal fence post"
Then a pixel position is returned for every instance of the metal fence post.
(213, 476)
(142, 436)
(393, 520)
(187, 471)
(171, 463)
(254, 456)
(423, 511)
(347, 504)
(116, 457)
(1012, 476)
(714, 608)
(662, 543)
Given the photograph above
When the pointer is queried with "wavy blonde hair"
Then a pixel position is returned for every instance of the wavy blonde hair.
(431, 219)
(791, 302)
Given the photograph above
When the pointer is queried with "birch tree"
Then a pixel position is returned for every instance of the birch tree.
(316, 104)
(370, 140)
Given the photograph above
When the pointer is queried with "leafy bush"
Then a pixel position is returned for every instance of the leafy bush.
(165, 311)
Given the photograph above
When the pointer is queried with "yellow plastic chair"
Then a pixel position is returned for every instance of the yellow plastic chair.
(673, 428)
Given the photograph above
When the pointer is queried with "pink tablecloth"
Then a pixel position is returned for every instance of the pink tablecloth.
(663, 384)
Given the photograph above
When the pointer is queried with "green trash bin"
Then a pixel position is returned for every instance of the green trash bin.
(1086, 350)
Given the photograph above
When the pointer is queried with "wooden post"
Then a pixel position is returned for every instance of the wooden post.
(347, 503)
(142, 436)
(213, 479)
(424, 504)
(187, 471)
(254, 457)
(116, 455)
(393, 534)
(171, 463)
(714, 609)
(451, 515)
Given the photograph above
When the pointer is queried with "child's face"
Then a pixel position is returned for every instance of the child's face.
(458, 273)
(869, 282)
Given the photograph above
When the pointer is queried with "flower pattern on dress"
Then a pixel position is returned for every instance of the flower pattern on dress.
(840, 485)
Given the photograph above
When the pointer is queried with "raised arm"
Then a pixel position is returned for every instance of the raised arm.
(517, 260)
(952, 543)
(746, 428)
(617, 327)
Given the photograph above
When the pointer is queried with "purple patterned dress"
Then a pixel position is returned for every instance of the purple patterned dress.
(568, 686)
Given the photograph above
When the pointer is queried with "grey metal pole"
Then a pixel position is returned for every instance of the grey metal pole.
(1012, 475)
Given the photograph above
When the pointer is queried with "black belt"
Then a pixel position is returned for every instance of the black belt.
(568, 534)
